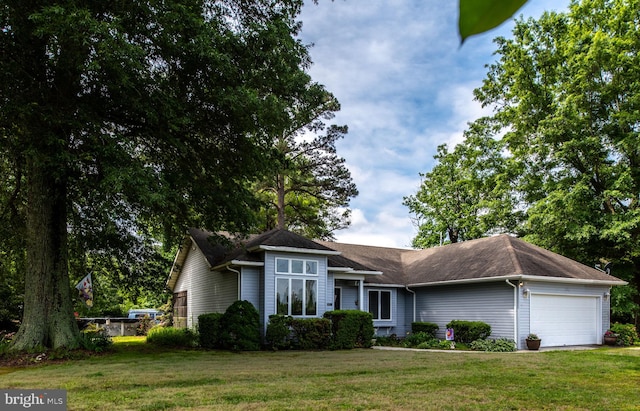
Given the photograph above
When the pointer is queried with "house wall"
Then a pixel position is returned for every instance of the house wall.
(269, 303)
(251, 287)
(207, 291)
(491, 303)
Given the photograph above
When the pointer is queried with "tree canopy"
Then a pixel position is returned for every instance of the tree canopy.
(122, 121)
(566, 98)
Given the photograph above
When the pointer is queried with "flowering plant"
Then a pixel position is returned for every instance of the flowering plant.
(610, 333)
(532, 336)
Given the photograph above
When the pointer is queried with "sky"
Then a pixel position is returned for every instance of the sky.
(405, 85)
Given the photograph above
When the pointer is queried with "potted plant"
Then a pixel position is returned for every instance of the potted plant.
(533, 342)
(610, 338)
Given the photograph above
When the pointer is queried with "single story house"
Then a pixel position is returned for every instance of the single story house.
(514, 286)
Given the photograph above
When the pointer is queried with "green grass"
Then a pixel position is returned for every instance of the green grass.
(136, 376)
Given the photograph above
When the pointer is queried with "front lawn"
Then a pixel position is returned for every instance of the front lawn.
(138, 377)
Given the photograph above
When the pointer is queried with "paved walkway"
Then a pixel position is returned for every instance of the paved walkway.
(543, 349)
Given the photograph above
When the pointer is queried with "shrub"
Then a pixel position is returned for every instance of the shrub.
(94, 338)
(498, 345)
(170, 337)
(415, 339)
(429, 328)
(209, 330)
(240, 327)
(468, 331)
(311, 333)
(279, 335)
(350, 329)
(388, 340)
(144, 325)
(627, 334)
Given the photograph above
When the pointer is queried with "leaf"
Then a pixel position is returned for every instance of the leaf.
(478, 16)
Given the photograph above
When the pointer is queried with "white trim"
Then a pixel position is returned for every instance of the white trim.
(351, 270)
(525, 277)
(239, 263)
(295, 250)
(390, 319)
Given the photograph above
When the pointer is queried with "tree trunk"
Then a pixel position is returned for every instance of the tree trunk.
(281, 204)
(48, 319)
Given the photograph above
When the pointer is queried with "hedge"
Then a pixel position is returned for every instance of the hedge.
(209, 329)
(469, 331)
(425, 327)
(350, 329)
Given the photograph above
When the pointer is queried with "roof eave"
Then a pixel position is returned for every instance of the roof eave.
(521, 277)
(241, 263)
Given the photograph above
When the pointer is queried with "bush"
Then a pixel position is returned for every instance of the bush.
(468, 331)
(144, 325)
(311, 333)
(279, 335)
(350, 328)
(94, 338)
(209, 330)
(415, 339)
(388, 340)
(627, 334)
(240, 327)
(429, 328)
(170, 337)
(498, 345)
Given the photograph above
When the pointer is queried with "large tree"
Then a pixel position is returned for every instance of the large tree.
(309, 186)
(566, 91)
(124, 119)
(469, 192)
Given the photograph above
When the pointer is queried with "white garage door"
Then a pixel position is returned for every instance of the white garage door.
(565, 320)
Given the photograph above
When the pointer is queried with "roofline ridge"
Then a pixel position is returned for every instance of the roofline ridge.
(512, 255)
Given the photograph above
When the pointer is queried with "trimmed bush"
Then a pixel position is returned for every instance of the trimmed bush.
(279, 335)
(627, 334)
(311, 333)
(415, 339)
(209, 330)
(240, 327)
(426, 327)
(170, 337)
(350, 329)
(469, 331)
(499, 345)
(94, 338)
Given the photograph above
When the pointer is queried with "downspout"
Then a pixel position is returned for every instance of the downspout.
(515, 312)
(406, 287)
(237, 272)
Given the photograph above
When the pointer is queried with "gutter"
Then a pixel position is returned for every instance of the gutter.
(515, 312)
(414, 302)
(522, 277)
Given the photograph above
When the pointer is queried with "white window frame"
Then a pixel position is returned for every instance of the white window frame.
(379, 292)
(306, 265)
(304, 280)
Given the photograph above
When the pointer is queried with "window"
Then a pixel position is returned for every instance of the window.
(296, 296)
(380, 304)
(296, 266)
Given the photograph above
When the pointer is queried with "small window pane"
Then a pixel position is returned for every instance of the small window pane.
(312, 267)
(296, 297)
(385, 305)
(282, 265)
(296, 266)
(373, 304)
(311, 297)
(282, 296)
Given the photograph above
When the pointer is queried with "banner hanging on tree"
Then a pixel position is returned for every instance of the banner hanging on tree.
(85, 286)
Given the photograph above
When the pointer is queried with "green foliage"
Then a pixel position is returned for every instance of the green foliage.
(94, 338)
(350, 328)
(388, 340)
(627, 334)
(311, 333)
(278, 335)
(417, 338)
(427, 327)
(169, 337)
(478, 16)
(533, 336)
(209, 330)
(469, 331)
(240, 327)
(498, 345)
(144, 325)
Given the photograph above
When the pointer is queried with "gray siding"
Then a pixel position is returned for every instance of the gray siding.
(250, 285)
(488, 302)
(207, 291)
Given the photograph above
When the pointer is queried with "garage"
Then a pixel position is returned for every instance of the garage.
(565, 320)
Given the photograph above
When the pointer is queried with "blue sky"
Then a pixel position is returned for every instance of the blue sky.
(405, 86)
